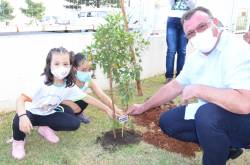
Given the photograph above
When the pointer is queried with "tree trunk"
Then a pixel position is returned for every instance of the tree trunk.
(87, 2)
(138, 81)
(98, 4)
(118, 3)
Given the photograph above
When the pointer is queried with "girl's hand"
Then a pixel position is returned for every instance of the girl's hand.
(25, 124)
(110, 114)
(119, 112)
(119, 116)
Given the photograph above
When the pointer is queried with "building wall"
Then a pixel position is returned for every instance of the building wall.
(226, 10)
(153, 13)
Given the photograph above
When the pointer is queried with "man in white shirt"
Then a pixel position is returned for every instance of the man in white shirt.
(217, 75)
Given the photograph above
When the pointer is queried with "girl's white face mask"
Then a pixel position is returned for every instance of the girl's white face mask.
(204, 41)
(60, 72)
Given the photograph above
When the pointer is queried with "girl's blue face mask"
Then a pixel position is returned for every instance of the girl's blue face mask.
(83, 76)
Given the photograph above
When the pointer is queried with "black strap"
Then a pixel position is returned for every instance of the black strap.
(22, 115)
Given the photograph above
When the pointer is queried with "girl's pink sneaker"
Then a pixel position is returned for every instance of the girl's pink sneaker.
(18, 151)
(48, 134)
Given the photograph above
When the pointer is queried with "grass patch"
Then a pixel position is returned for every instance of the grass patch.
(80, 147)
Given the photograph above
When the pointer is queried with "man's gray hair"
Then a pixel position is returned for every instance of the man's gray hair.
(191, 12)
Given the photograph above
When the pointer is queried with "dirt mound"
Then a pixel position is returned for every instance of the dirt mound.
(108, 142)
(155, 136)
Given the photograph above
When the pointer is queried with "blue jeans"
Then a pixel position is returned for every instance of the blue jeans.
(214, 129)
(176, 42)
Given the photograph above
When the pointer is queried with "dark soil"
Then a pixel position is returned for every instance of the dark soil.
(108, 142)
(156, 137)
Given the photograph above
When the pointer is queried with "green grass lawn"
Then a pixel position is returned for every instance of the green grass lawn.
(80, 147)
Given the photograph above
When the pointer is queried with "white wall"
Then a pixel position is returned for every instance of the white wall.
(225, 10)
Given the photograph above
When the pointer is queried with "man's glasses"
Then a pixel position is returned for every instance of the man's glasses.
(200, 28)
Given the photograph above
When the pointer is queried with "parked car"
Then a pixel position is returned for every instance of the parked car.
(92, 18)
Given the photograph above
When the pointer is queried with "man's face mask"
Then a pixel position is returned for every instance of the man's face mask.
(60, 72)
(204, 41)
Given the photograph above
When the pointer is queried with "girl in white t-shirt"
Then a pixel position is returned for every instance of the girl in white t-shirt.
(48, 99)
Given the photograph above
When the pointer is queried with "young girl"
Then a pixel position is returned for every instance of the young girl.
(47, 109)
(84, 82)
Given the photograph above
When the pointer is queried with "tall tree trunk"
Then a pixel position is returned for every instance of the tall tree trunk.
(138, 81)
(112, 99)
(98, 3)
(87, 2)
(118, 3)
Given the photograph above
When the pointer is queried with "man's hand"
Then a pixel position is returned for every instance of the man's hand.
(25, 124)
(189, 93)
(135, 109)
(118, 112)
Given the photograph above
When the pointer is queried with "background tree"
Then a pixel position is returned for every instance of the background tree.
(6, 11)
(34, 10)
(76, 4)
